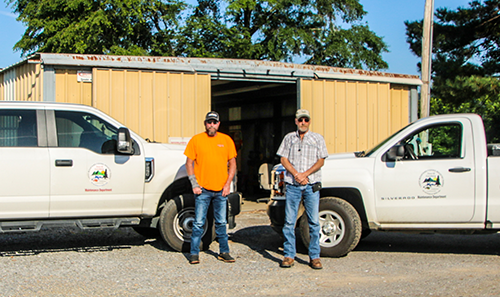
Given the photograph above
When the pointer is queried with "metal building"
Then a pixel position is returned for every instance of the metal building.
(165, 99)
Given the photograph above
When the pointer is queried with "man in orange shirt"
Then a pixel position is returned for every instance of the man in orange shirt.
(208, 156)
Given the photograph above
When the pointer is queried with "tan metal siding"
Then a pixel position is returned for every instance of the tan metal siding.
(354, 116)
(22, 83)
(70, 90)
(156, 105)
(400, 104)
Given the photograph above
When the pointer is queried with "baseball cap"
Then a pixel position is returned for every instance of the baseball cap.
(213, 115)
(302, 113)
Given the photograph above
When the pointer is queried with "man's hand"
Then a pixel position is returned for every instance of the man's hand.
(197, 190)
(226, 190)
(301, 178)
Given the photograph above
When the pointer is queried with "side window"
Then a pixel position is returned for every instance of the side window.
(78, 129)
(18, 128)
(436, 142)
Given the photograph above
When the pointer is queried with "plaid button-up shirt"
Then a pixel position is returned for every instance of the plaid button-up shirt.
(303, 154)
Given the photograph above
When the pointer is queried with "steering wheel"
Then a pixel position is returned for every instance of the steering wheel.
(410, 153)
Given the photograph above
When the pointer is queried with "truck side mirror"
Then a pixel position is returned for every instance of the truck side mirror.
(395, 153)
(124, 143)
(264, 176)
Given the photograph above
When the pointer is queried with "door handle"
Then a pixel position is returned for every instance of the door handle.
(64, 163)
(459, 169)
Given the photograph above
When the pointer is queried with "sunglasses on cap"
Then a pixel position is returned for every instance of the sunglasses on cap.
(213, 122)
(303, 120)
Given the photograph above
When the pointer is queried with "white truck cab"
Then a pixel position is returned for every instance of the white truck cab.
(66, 164)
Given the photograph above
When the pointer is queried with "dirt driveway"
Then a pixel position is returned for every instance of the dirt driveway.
(70, 262)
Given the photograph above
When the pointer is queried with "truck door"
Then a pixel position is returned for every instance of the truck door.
(24, 161)
(89, 178)
(433, 182)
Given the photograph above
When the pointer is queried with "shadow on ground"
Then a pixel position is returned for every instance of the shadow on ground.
(263, 239)
(73, 239)
(479, 244)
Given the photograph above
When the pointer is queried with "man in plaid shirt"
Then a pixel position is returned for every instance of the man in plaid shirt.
(302, 153)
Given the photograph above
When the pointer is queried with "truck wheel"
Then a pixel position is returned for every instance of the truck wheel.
(340, 227)
(176, 224)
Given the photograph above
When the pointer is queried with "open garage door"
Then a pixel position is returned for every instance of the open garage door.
(257, 115)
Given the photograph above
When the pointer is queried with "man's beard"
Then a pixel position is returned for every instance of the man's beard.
(303, 129)
(211, 131)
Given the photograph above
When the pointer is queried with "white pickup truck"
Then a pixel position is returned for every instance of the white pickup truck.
(435, 175)
(65, 164)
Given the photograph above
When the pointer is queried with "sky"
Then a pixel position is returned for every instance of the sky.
(385, 17)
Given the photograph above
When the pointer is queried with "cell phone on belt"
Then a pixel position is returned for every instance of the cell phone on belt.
(316, 187)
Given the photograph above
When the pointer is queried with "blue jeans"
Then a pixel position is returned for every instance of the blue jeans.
(311, 204)
(202, 202)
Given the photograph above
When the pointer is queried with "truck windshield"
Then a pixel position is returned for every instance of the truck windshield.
(374, 149)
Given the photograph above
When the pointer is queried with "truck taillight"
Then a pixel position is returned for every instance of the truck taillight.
(150, 169)
(278, 186)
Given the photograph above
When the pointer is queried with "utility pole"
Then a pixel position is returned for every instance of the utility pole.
(425, 90)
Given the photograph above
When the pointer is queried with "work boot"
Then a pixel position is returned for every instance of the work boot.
(287, 262)
(315, 264)
(194, 259)
(226, 258)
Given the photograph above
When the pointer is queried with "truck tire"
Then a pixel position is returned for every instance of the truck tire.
(176, 223)
(340, 227)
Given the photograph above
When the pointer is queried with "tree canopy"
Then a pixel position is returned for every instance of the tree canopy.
(466, 61)
(322, 32)
(326, 32)
(126, 27)
(466, 42)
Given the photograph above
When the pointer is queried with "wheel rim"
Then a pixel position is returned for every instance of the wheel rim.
(183, 224)
(332, 228)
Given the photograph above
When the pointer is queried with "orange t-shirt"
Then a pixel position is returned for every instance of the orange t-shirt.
(211, 155)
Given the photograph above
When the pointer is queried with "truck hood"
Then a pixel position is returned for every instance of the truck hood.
(347, 170)
(175, 147)
(341, 156)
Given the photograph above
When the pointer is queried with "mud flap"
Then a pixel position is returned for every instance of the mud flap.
(233, 208)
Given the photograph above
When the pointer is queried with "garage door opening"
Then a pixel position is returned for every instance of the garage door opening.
(256, 115)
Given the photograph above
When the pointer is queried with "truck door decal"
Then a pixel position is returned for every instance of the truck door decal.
(99, 174)
(431, 182)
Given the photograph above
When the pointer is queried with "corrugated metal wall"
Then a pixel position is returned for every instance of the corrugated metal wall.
(70, 90)
(22, 83)
(354, 116)
(163, 106)
(157, 105)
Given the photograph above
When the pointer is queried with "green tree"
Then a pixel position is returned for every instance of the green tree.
(466, 61)
(325, 32)
(477, 94)
(127, 27)
(466, 42)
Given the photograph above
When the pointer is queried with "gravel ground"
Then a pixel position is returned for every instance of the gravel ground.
(70, 262)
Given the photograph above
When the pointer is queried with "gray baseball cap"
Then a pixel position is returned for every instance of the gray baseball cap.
(213, 115)
(302, 113)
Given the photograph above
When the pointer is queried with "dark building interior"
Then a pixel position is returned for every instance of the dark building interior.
(256, 115)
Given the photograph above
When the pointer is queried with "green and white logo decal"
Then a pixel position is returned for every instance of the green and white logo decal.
(431, 181)
(99, 174)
